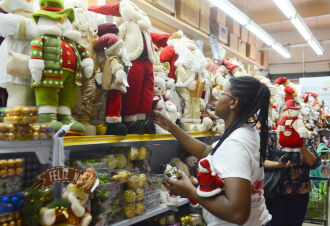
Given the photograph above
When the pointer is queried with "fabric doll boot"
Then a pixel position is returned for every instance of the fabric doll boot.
(116, 128)
(90, 130)
(19, 95)
(134, 126)
(48, 114)
(64, 116)
(148, 126)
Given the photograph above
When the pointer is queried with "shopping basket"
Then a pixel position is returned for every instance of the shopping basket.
(317, 209)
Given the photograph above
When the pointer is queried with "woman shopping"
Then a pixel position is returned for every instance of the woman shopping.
(289, 200)
(237, 158)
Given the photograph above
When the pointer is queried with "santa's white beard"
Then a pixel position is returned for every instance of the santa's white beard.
(195, 61)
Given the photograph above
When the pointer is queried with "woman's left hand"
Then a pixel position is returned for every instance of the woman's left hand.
(182, 187)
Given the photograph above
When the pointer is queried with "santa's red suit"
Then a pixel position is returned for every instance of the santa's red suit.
(293, 140)
(133, 30)
(289, 91)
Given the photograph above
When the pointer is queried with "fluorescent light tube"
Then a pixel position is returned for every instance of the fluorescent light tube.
(286, 7)
(301, 27)
(315, 45)
(281, 50)
(260, 33)
(231, 10)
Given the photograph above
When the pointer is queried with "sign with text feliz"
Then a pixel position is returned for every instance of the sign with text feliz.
(60, 174)
(319, 85)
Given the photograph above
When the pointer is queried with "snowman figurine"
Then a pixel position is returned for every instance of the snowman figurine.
(57, 64)
(292, 132)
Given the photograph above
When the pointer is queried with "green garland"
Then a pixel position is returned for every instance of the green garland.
(96, 205)
(34, 200)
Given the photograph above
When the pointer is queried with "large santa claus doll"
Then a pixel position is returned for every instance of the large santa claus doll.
(133, 30)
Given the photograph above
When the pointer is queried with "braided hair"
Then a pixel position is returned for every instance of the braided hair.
(253, 98)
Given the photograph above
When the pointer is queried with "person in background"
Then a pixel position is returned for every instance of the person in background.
(291, 195)
(237, 157)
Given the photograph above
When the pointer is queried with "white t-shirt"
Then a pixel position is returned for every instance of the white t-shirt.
(238, 156)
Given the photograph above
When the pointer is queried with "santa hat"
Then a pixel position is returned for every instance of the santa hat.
(210, 183)
(230, 66)
(281, 81)
(291, 104)
(306, 98)
(160, 40)
(105, 42)
(110, 9)
(106, 28)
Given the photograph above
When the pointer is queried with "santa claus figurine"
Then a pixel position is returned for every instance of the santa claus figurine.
(210, 184)
(110, 55)
(133, 30)
(290, 93)
(292, 132)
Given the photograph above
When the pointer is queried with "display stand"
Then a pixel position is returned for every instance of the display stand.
(163, 147)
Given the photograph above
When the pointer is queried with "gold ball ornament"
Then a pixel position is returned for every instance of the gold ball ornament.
(133, 153)
(139, 194)
(129, 196)
(3, 164)
(129, 211)
(11, 163)
(142, 180)
(133, 181)
(18, 162)
(139, 208)
(111, 161)
(121, 161)
(143, 153)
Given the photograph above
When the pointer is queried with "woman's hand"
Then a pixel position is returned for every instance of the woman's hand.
(182, 187)
(161, 120)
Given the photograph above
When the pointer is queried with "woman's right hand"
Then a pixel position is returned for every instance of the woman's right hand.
(161, 120)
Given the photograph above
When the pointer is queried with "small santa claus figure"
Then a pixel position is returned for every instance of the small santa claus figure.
(291, 131)
(210, 184)
(290, 93)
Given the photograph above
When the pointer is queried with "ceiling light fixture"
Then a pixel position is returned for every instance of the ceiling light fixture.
(232, 11)
(290, 12)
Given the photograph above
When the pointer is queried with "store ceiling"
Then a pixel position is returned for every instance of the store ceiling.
(266, 13)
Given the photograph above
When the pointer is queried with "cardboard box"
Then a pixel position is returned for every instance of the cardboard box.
(167, 6)
(251, 51)
(234, 27)
(242, 47)
(188, 11)
(265, 58)
(252, 39)
(220, 31)
(244, 34)
(204, 17)
(233, 41)
(218, 16)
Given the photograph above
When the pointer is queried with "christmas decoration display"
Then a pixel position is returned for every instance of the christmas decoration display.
(111, 53)
(19, 29)
(133, 30)
(85, 23)
(291, 131)
(56, 77)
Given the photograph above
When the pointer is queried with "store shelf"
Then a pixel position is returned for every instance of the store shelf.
(42, 148)
(124, 140)
(150, 214)
(169, 24)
